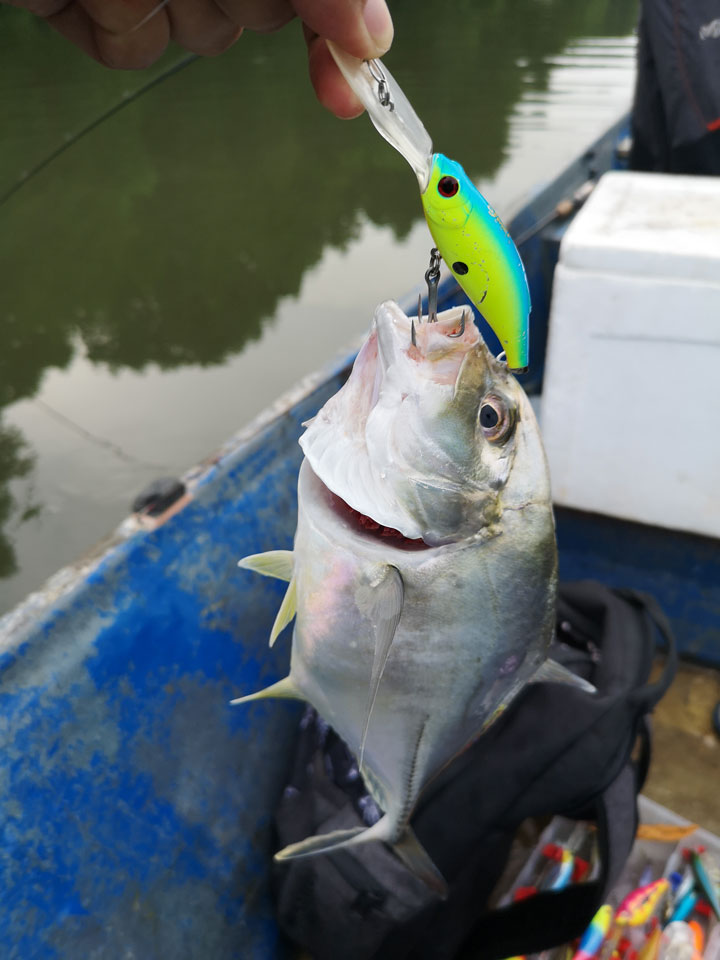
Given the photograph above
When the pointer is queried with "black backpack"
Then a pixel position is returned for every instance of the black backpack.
(555, 750)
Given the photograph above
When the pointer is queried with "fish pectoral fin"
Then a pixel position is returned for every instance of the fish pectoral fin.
(284, 689)
(274, 563)
(550, 671)
(286, 611)
(407, 848)
(383, 608)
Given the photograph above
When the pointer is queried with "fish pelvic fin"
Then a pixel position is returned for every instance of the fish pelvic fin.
(407, 848)
(550, 671)
(286, 611)
(384, 609)
(284, 689)
(274, 563)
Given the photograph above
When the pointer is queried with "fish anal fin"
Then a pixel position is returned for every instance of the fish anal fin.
(550, 671)
(284, 689)
(286, 611)
(274, 563)
(383, 607)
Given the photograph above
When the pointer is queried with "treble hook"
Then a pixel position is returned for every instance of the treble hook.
(432, 278)
(461, 331)
(413, 336)
(383, 91)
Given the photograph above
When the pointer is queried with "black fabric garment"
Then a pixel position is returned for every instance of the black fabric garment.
(555, 750)
(676, 111)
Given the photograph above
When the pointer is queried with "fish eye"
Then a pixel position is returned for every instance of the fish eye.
(496, 419)
(447, 186)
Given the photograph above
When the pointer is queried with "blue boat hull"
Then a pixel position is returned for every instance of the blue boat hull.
(136, 814)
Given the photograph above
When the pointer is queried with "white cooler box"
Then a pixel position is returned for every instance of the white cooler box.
(631, 403)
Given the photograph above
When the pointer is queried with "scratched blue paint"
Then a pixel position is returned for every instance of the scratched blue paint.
(136, 804)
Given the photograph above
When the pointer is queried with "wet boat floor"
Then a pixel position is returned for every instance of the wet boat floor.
(685, 770)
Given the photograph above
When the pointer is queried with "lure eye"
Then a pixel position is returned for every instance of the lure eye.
(447, 186)
(496, 419)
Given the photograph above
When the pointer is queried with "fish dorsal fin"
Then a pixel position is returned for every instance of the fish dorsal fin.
(274, 563)
(383, 607)
(550, 671)
(286, 611)
(284, 689)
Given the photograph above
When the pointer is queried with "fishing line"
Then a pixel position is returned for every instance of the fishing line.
(116, 108)
(149, 16)
(114, 448)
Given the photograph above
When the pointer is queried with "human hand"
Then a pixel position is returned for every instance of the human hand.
(132, 34)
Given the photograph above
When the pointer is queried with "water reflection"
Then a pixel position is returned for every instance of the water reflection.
(170, 234)
(16, 462)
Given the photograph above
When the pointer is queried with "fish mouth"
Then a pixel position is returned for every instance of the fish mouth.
(443, 343)
(370, 446)
(363, 525)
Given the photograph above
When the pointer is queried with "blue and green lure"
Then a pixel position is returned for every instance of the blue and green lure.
(467, 232)
(481, 255)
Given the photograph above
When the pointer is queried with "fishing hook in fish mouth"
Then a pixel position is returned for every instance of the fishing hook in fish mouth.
(432, 278)
(461, 331)
(383, 91)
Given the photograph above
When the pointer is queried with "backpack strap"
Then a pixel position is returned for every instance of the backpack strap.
(648, 695)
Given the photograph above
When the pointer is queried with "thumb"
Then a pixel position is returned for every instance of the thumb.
(361, 27)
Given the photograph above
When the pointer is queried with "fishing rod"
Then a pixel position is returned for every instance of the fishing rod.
(116, 108)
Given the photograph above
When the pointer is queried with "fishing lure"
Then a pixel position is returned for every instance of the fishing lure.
(651, 948)
(684, 907)
(639, 905)
(594, 936)
(704, 882)
(562, 875)
(467, 232)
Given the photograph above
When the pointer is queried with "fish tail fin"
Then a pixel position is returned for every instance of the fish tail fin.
(407, 847)
(284, 689)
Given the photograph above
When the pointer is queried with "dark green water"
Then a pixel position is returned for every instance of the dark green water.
(173, 272)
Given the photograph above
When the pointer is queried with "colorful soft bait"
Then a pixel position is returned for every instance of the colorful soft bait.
(638, 906)
(468, 233)
(481, 255)
(594, 936)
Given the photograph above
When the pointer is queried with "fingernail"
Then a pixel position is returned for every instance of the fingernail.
(379, 24)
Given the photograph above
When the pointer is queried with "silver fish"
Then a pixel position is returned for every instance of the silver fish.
(424, 568)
